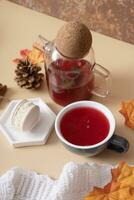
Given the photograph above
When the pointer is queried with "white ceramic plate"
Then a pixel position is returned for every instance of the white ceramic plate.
(38, 135)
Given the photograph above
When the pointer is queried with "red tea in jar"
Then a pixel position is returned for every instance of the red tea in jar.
(70, 81)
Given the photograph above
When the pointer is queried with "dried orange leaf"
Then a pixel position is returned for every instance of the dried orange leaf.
(24, 53)
(121, 186)
(36, 56)
(127, 110)
(16, 61)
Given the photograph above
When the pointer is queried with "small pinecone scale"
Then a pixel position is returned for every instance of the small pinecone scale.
(28, 75)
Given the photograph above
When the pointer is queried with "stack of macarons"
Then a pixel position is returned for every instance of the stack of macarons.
(24, 116)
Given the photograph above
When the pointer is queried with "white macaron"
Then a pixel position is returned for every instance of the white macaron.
(24, 116)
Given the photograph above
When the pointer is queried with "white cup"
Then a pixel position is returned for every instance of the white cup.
(112, 141)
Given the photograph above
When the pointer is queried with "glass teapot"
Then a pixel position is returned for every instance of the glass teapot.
(70, 80)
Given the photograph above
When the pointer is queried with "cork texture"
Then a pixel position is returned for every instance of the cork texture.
(73, 40)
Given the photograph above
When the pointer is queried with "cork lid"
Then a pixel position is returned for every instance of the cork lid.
(74, 40)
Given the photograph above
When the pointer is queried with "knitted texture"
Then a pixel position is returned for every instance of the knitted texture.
(75, 181)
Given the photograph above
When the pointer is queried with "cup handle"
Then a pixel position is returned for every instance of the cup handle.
(104, 74)
(118, 144)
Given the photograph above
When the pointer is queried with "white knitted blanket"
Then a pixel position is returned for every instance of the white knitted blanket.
(75, 181)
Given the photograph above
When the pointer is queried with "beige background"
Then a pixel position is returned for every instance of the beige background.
(19, 27)
(110, 17)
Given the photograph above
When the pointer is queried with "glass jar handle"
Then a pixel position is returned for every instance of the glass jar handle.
(40, 43)
(104, 74)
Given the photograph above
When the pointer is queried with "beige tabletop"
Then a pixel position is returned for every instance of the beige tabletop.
(19, 28)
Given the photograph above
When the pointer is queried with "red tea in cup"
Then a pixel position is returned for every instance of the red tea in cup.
(84, 126)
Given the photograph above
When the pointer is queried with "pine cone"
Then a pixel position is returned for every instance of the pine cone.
(28, 75)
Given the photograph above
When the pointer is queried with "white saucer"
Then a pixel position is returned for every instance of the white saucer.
(38, 135)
